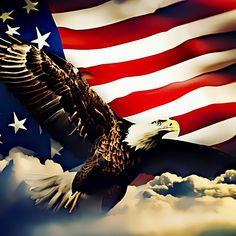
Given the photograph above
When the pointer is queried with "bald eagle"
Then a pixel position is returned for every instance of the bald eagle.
(61, 100)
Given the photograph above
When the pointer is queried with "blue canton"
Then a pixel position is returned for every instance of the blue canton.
(30, 21)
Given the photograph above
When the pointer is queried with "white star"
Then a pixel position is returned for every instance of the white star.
(18, 124)
(6, 16)
(41, 39)
(30, 6)
(12, 31)
(55, 148)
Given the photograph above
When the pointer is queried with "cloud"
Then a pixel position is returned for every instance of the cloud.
(25, 165)
(229, 177)
(195, 186)
(167, 205)
(171, 205)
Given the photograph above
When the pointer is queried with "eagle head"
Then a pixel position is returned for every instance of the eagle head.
(146, 135)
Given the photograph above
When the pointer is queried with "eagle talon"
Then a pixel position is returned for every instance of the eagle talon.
(74, 197)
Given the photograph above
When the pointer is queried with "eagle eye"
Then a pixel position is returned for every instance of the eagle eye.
(158, 122)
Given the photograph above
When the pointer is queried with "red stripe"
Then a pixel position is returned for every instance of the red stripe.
(141, 179)
(106, 73)
(205, 116)
(130, 30)
(160, 96)
(71, 5)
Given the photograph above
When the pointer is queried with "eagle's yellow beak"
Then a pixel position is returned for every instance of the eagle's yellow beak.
(170, 126)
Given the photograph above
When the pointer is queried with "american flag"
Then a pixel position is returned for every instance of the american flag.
(159, 58)
(147, 59)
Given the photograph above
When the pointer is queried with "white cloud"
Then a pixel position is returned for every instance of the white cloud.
(195, 186)
(229, 177)
(25, 165)
(167, 205)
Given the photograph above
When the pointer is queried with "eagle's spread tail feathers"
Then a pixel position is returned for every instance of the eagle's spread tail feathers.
(52, 190)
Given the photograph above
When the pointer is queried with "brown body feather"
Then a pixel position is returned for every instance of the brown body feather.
(111, 166)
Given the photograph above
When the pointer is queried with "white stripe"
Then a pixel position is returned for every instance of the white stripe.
(154, 44)
(177, 73)
(213, 134)
(191, 101)
(108, 13)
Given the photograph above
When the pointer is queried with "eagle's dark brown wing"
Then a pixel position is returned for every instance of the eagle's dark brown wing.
(53, 90)
(184, 158)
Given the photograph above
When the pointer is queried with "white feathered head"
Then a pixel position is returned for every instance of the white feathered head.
(146, 135)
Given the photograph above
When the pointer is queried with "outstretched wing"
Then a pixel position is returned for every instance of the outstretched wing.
(54, 91)
(184, 158)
